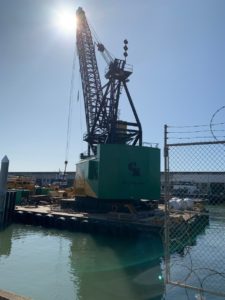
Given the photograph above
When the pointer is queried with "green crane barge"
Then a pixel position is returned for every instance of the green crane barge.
(117, 169)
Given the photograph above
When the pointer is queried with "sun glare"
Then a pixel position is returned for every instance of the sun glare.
(66, 21)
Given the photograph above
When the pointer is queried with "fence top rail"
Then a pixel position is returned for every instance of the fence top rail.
(196, 143)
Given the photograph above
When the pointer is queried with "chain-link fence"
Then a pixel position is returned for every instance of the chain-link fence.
(194, 193)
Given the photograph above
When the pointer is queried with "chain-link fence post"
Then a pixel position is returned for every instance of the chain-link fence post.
(166, 203)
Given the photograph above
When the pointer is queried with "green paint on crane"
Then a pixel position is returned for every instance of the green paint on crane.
(121, 172)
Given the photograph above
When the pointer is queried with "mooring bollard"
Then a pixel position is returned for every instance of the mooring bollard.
(3, 188)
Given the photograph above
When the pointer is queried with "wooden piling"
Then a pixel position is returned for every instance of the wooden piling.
(3, 189)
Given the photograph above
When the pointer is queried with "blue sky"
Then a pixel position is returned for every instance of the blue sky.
(176, 48)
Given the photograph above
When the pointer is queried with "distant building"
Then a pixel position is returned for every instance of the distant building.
(201, 184)
(185, 183)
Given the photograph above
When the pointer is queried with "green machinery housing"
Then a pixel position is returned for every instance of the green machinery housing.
(120, 172)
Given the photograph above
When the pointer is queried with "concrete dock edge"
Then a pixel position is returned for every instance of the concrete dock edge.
(5, 295)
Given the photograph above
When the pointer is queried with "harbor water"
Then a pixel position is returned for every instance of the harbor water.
(47, 264)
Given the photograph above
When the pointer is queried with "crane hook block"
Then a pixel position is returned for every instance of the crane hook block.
(101, 47)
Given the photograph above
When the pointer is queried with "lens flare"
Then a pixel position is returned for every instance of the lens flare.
(66, 21)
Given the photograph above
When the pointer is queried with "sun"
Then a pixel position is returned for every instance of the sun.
(66, 21)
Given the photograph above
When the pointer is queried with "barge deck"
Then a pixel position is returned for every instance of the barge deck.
(109, 223)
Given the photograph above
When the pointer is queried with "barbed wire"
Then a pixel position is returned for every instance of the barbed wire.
(196, 131)
(196, 126)
(211, 121)
(196, 137)
(193, 272)
(187, 126)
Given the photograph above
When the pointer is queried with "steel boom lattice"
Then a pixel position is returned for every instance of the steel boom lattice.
(101, 103)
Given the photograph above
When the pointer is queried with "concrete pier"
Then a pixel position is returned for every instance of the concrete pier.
(5, 295)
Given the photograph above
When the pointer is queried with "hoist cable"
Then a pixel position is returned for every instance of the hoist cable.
(68, 135)
(108, 56)
(81, 124)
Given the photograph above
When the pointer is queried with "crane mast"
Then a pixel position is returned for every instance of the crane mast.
(101, 102)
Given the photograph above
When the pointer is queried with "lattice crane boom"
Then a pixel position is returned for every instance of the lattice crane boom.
(91, 83)
(101, 103)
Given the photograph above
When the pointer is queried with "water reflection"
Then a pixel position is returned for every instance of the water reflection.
(6, 241)
(112, 268)
(67, 265)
